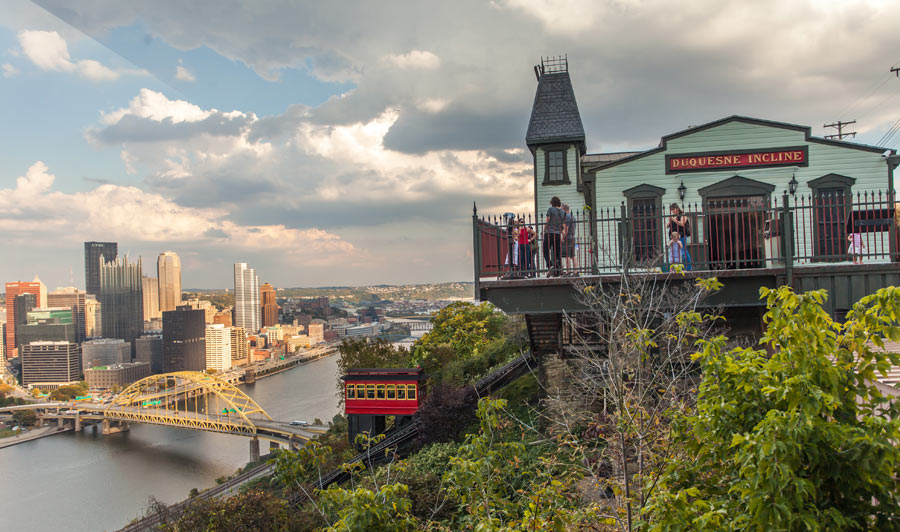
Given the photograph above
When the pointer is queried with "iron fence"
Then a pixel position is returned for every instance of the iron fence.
(747, 232)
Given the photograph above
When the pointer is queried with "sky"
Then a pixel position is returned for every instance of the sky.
(344, 143)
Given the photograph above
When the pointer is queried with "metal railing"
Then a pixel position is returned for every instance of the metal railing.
(825, 227)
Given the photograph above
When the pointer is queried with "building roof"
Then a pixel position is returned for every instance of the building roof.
(554, 114)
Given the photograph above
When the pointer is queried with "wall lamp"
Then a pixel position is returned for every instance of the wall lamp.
(792, 184)
(682, 190)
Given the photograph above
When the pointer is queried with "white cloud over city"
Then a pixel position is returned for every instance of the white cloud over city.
(384, 174)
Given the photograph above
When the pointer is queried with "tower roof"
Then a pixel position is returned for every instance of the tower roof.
(554, 115)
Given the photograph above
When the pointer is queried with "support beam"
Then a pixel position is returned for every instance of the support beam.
(274, 446)
(78, 422)
(254, 450)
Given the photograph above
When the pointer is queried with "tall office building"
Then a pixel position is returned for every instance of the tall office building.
(122, 299)
(246, 298)
(12, 290)
(269, 308)
(151, 298)
(22, 305)
(52, 363)
(93, 327)
(74, 299)
(240, 346)
(184, 340)
(148, 348)
(92, 253)
(218, 347)
(168, 270)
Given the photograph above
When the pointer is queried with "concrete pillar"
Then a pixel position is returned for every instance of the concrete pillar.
(59, 423)
(254, 450)
(77, 422)
(113, 427)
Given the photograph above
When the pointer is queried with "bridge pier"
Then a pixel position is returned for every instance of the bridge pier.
(254, 449)
(78, 422)
(60, 423)
(114, 427)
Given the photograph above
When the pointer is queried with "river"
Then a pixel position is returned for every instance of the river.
(90, 482)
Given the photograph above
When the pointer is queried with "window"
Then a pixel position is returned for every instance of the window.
(379, 391)
(401, 392)
(411, 391)
(556, 171)
(370, 391)
(646, 216)
(832, 204)
(391, 391)
(555, 161)
(351, 391)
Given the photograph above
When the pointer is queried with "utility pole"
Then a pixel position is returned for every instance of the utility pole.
(840, 127)
(896, 70)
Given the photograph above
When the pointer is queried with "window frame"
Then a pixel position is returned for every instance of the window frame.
(645, 192)
(401, 390)
(390, 391)
(819, 186)
(370, 392)
(411, 392)
(563, 150)
(380, 391)
(350, 391)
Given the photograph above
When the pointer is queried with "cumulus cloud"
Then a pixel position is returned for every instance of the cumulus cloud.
(183, 74)
(9, 70)
(47, 50)
(128, 213)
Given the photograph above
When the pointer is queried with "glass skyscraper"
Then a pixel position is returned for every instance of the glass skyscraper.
(92, 253)
(246, 298)
(122, 300)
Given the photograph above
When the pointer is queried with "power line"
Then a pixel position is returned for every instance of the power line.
(840, 130)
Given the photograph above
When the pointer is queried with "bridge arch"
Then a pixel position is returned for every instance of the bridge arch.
(155, 400)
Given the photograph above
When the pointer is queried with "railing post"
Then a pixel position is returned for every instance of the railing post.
(626, 242)
(476, 251)
(892, 229)
(787, 239)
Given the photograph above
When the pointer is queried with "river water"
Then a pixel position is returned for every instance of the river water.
(90, 482)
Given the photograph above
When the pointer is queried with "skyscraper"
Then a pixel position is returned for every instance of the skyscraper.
(122, 299)
(269, 305)
(12, 290)
(151, 298)
(168, 271)
(93, 325)
(92, 253)
(218, 347)
(149, 349)
(74, 299)
(240, 347)
(246, 298)
(184, 340)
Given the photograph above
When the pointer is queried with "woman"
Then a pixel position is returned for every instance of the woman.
(556, 220)
(679, 223)
(525, 257)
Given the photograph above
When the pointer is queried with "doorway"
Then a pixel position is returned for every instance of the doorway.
(734, 231)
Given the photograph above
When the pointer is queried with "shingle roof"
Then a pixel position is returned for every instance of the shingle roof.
(554, 115)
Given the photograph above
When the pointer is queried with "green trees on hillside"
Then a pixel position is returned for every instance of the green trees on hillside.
(793, 435)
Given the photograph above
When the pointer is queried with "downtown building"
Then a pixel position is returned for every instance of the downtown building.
(269, 309)
(150, 287)
(75, 299)
(240, 346)
(168, 271)
(49, 365)
(184, 340)
(246, 298)
(39, 291)
(116, 375)
(47, 325)
(149, 348)
(94, 254)
(104, 351)
(218, 347)
(122, 299)
(93, 319)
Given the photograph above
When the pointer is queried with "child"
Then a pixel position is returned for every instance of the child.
(676, 249)
(857, 247)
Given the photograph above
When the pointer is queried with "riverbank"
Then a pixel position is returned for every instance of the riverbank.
(31, 435)
(301, 361)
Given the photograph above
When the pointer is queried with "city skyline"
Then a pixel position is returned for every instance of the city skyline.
(330, 150)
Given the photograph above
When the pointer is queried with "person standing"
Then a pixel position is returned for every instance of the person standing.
(526, 263)
(679, 223)
(555, 223)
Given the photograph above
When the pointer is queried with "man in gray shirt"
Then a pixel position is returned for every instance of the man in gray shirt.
(555, 225)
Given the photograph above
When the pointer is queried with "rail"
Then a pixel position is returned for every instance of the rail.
(761, 231)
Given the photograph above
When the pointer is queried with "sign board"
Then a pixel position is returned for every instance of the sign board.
(732, 160)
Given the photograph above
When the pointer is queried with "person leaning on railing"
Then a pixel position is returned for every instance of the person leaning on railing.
(681, 224)
(556, 219)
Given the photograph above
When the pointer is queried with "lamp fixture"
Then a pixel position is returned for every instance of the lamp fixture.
(682, 190)
(792, 184)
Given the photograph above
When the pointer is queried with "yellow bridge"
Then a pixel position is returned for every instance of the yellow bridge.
(184, 399)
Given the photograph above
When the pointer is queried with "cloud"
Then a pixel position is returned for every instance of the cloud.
(128, 213)
(48, 51)
(183, 74)
(414, 59)
(9, 70)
